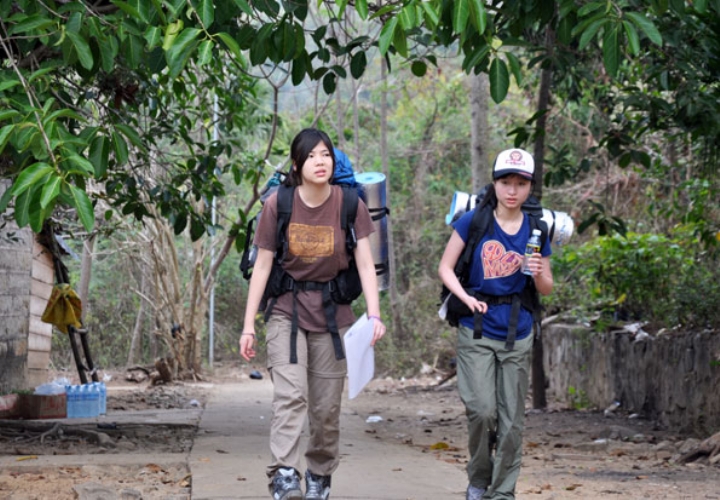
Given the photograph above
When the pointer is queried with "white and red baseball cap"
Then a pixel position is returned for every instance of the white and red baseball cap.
(514, 161)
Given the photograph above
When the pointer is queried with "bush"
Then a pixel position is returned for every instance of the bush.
(666, 281)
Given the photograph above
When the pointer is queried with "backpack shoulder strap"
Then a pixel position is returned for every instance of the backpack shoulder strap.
(347, 216)
(479, 225)
(286, 194)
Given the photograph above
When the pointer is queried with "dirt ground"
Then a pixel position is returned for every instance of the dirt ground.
(568, 454)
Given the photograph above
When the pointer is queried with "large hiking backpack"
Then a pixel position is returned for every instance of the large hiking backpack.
(452, 308)
(343, 289)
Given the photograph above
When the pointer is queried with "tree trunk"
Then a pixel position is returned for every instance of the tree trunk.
(538, 371)
(395, 310)
(85, 274)
(480, 148)
(135, 341)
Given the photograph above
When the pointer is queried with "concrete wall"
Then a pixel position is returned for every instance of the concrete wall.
(673, 378)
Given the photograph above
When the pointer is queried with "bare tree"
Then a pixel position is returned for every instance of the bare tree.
(480, 147)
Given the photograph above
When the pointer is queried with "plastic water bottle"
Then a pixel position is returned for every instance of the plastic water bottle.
(94, 400)
(71, 400)
(83, 401)
(533, 246)
(102, 404)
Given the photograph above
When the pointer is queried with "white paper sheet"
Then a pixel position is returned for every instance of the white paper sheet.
(360, 355)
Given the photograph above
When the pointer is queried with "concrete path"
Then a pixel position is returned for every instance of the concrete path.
(231, 451)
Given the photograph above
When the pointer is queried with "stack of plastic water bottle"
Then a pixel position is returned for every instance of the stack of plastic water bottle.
(86, 400)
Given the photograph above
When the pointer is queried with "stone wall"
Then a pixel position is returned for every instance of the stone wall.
(673, 379)
(26, 280)
(15, 280)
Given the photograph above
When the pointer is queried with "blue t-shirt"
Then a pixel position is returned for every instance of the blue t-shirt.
(495, 270)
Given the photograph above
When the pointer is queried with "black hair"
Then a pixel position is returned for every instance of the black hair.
(301, 147)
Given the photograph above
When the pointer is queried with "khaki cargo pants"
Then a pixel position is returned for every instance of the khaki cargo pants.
(309, 390)
(493, 383)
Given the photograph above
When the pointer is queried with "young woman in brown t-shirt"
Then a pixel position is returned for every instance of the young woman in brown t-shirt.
(313, 386)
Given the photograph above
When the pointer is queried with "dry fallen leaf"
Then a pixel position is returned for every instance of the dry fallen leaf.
(440, 445)
(29, 457)
(573, 487)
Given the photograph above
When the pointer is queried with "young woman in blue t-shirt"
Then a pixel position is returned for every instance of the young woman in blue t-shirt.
(492, 372)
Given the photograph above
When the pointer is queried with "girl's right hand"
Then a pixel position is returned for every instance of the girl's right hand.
(247, 346)
(475, 304)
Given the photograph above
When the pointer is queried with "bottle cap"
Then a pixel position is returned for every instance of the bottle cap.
(536, 232)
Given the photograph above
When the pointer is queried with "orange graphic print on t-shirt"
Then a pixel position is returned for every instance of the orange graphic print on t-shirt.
(310, 242)
(497, 262)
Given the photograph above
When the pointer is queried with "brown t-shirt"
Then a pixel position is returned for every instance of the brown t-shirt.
(316, 253)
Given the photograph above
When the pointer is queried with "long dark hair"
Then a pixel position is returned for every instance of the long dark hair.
(301, 147)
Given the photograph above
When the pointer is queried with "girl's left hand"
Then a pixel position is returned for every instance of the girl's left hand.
(535, 265)
(378, 329)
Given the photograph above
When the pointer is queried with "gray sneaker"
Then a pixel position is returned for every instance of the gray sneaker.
(316, 487)
(286, 485)
(474, 493)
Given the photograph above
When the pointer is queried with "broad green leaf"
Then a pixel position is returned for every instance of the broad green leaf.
(153, 36)
(299, 70)
(564, 32)
(206, 11)
(131, 134)
(42, 72)
(358, 63)
(197, 228)
(32, 23)
(81, 48)
(646, 26)
(329, 83)
(22, 208)
(128, 9)
(109, 49)
(633, 38)
(8, 84)
(408, 19)
(475, 58)
(400, 42)
(288, 42)
(515, 67)
(83, 206)
(5, 200)
(478, 15)
(700, 6)
(361, 7)
(84, 165)
(5, 135)
(50, 190)
(179, 52)
(230, 43)
(30, 176)
(590, 33)
(591, 7)
(205, 52)
(461, 13)
(499, 80)
(244, 6)
(121, 149)
(432, 18)
(387, 34)
(171, 32)
(611, 50)
(98, 155)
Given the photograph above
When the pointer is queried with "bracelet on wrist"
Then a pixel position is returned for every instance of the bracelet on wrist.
(247, 333)
(375, 317)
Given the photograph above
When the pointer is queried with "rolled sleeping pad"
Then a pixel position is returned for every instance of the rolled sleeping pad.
(373, 192)
(560, 226)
